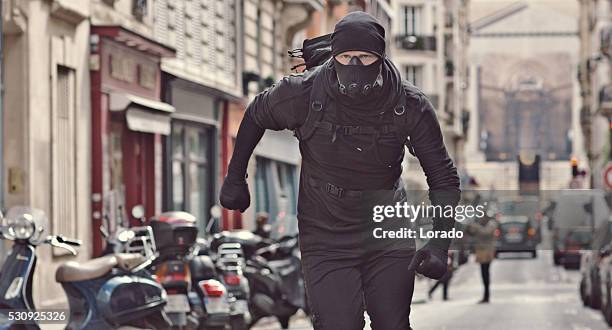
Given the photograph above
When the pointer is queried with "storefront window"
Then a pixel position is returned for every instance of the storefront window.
(191, 170)
(275, 188)
(177, 185)
(198, 194)
(177, 141)
(261, 186)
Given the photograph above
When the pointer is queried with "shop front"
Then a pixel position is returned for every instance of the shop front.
(128, 122)
(276, 177)
(191, 161)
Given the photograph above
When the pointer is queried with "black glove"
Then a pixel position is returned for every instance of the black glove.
(430, 261)
(235, 194)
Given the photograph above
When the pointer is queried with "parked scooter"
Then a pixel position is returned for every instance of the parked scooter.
(196, 293)
(230, 265)
(273, 270)
(277, 286)
(103, 293)
(175, 236)
(227, 263)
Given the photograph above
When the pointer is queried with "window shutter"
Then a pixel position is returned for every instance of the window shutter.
(230, 42)
(63, 156)
(160, 21)
(179, 29)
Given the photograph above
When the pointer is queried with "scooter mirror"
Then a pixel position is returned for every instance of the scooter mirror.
(104, 231)
(138, 211)
(215, 211)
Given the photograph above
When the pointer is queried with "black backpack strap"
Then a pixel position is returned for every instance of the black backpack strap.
(316, 106)
(401, 123)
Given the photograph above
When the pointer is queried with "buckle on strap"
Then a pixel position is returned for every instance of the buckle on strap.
(350, 130)
(334, 190)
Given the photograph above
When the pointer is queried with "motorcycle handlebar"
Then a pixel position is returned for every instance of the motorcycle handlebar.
(69, 241)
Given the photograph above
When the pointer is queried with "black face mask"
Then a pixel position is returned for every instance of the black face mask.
(357, 80)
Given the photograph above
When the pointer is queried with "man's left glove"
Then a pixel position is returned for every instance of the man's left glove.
(430, 261)
(235, 194)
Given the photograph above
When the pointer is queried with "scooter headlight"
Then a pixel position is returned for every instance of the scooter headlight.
(25, 223)
(22, 227)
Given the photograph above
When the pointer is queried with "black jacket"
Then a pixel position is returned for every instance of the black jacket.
(286, 105)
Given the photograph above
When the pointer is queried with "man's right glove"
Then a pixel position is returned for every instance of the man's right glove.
(235, 194)
(430, 261)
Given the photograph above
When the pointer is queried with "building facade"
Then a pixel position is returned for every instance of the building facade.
(595, 79)
(523, 98)
(268, 30)
(46, 130)
(129, 118)
(429, 45)
(200, 82)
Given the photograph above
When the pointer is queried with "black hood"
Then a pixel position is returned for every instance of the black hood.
(358, 31)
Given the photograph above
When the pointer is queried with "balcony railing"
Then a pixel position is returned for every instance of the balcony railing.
(416, 42)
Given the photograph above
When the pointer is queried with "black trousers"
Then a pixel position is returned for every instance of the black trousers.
(340, 285)
(486, 278)
(445, 281)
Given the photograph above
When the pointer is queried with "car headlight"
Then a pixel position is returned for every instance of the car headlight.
(22, 227)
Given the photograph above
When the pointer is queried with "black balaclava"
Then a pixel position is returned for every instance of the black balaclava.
(358, 31)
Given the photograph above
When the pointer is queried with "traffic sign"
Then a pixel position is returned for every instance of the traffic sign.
(608, 176)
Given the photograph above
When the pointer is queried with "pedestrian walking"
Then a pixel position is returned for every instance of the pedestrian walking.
(445, 280)
(353, 115)
(483, 232)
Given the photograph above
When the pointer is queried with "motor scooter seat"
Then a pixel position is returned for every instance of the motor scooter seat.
(73, 271)
(129, 261)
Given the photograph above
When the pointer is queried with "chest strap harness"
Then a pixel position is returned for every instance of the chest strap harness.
(314, 119)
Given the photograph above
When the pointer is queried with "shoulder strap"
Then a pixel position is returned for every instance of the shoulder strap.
(400, 121)
(317, 103)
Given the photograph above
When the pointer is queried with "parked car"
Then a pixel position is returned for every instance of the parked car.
(519, 224)
(590, 286)
(575, 216)
(605, 283)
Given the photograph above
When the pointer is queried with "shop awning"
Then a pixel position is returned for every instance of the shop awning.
(121, 102)
(145, 121)
(143, 114)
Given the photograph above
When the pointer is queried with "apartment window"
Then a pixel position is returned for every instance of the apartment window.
(63, 155)
(139, 9)
(414, 74)
(411, 17)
